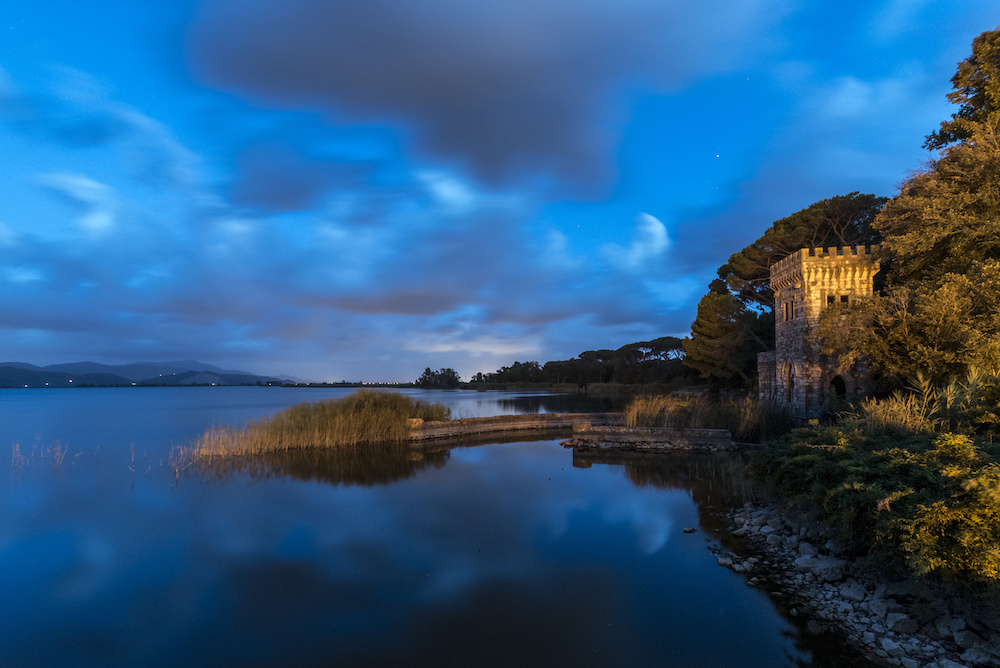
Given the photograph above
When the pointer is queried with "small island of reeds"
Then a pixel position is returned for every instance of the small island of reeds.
(365, 417)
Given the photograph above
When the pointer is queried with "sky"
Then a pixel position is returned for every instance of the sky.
(358, 190)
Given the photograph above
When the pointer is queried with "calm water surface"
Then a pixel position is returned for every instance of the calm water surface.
(503, 554)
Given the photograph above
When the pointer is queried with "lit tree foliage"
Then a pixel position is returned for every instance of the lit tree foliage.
(975, 89)
(845, 220)
(939, 312)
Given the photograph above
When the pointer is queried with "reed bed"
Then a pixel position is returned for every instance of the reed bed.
(749, 420)
(365, 417)
(899, 412)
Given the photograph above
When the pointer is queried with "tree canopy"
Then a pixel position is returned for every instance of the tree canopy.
(975, 88)
(440, 379)
(655, 361)
(845, 220)
(726, 336)
(939, 312)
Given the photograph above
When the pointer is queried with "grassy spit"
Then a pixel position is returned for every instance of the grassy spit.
(365, 417)
(749, 420)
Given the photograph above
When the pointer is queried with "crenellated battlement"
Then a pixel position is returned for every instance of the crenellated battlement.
(847, 263)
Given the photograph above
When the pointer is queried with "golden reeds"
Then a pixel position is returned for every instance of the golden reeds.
(747, 419)
(361, 418)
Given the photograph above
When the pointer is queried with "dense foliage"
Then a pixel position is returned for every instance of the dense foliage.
(726, 337)
(912, 502)
(975, 89)
(939, 312)
(442, 379)
(643, 362)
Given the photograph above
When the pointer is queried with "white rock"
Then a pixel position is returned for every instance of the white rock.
(828, 569)
(892, 648)
(852, 591)
(900, 623)
(878, 607)
(948, 663)
(805, 563)
(977, 656)
(966, 639)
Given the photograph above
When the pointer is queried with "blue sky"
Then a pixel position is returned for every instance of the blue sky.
(359, 190)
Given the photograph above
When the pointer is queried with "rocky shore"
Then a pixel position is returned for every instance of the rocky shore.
(888, 622)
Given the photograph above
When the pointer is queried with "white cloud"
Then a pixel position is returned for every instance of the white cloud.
(649, 242)
(480, 345)
(849, 97)
(24, 275)
(449, 191)
(8, 237)
(96, 202)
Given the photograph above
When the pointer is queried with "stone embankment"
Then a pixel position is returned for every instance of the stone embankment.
(421, 431)
(649, 439)
(888, 622)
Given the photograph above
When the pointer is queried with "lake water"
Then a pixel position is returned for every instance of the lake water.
(505, 554)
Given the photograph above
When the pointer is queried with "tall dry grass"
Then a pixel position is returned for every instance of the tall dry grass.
(900, 412)
(364, 417)
(749, 420)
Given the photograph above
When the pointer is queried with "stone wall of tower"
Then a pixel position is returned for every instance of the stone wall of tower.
(796, 375)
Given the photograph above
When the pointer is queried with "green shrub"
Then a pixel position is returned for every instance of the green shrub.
(909, 503)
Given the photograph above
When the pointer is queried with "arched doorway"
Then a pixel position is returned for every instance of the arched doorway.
(838, 388)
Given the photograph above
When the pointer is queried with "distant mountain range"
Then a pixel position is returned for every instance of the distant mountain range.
(91, 374)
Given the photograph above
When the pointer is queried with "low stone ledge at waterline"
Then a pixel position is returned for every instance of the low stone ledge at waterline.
(421, 431)
(650, 439)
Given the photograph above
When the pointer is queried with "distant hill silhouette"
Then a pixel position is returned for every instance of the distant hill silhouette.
(92, 374)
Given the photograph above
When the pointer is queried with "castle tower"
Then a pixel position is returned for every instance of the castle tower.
(796, 375)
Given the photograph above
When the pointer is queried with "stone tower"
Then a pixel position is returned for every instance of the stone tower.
(796, 375)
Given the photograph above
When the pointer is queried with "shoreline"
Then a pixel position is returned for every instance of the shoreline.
(889, 622)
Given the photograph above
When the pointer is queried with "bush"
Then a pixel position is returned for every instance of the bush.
(911, 503)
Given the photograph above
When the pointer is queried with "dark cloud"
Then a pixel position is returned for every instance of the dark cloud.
(427, 300)
(279, 178)
(61, 119)
(502, 88)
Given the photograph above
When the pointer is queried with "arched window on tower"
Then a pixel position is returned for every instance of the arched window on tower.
(789, 383)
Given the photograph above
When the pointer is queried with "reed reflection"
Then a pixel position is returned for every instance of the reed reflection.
(366, 465)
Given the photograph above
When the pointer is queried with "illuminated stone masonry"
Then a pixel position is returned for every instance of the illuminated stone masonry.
(796, 375)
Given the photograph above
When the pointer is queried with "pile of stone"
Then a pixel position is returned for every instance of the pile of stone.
(881, 620)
